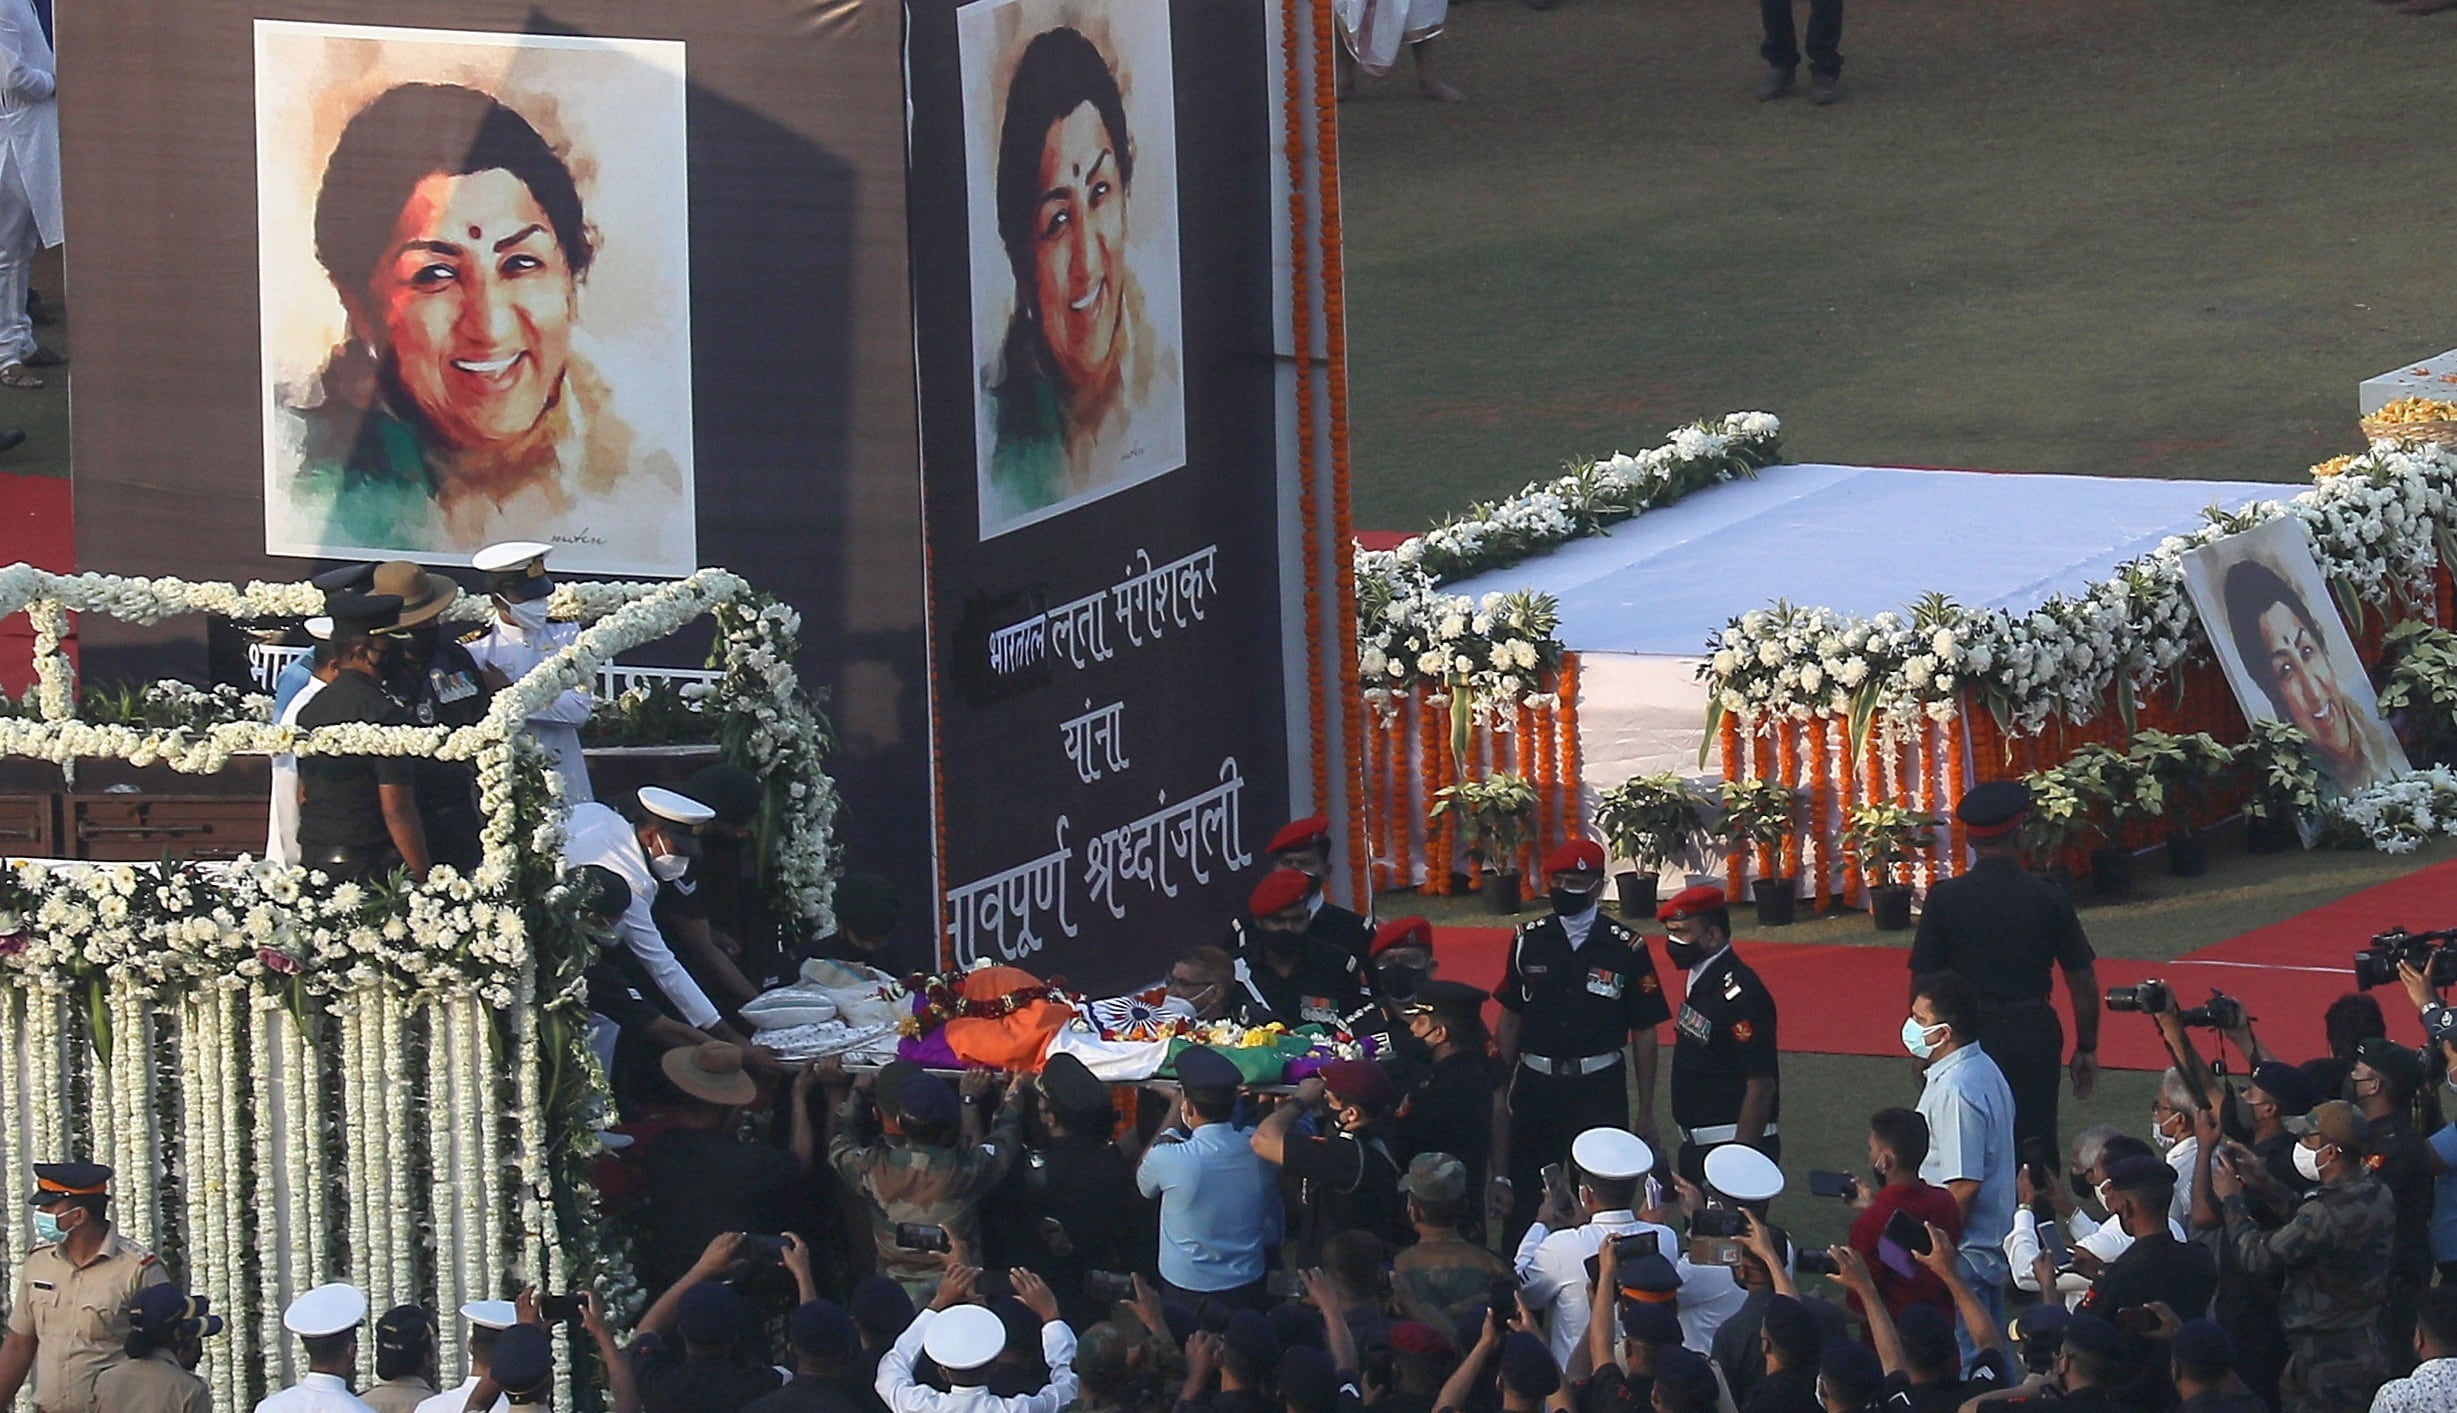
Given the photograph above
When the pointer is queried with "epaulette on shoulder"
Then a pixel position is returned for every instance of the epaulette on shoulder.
(474, 634)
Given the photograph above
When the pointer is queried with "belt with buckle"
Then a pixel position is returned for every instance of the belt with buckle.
(1591, 1064)
(1722, 1133)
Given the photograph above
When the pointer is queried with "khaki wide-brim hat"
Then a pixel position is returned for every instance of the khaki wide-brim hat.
(422, 595)
(712, 1072)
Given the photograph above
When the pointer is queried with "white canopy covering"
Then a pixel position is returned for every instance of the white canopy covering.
(1639, 604)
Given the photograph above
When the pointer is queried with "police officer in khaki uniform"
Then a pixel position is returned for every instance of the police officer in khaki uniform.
(168, 1330)
(70, 1319)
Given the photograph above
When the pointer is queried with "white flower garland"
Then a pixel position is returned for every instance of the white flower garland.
(2376, 520)
(1409, 633)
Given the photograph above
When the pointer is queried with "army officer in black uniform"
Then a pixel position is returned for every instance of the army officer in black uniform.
(1577, 990)
(1305, 846)
(2006, 931)
(1725, 1079)
(1283, 973)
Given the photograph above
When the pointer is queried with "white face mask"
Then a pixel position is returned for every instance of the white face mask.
(2308, 1162)
(668, 867)
(47, 1230)
(1915, 1038)
(2160, 1138)
(529, 616)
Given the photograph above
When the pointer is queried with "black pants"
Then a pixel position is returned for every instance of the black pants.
(1547, 1112)
(347, 864)
(1220, 1304)
(2027, 1041)
(1781, 50)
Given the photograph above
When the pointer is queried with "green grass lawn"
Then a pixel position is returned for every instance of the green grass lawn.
(2136, 237)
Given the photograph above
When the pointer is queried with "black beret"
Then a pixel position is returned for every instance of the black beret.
(734, 793)
(1448, 998)
(2092, 1335)
(347, 577)
(2203, 1345)
(2136, 1173)
(1527, 1367)
(1308, 1383)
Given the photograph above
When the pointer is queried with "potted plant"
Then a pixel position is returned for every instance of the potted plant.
(2418, 690)
(1880, 837)
(2108, 782)
(2172, 779)
(1495, 815)
(2058, 820)
(1759, 813)
(1649, 820)
(2286, 785)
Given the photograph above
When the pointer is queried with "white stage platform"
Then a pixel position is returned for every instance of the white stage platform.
(1639, 604)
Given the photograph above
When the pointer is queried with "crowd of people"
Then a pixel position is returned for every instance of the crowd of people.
(1460, 1218)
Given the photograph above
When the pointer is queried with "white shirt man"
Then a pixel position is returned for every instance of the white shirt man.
(494, 1315)
(962, 1341)
(281, 843)
(1552, 1265)
(29, 169)
(595, 834)
(326, 1319)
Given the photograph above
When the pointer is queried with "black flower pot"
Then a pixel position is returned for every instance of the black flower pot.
(2269, 834)
(1637, 894)
(2111, 870)
(1889, 907)
(1778, 901)
(1501, 892)
(2188, 854)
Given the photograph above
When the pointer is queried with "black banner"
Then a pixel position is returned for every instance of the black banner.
(1091, 233)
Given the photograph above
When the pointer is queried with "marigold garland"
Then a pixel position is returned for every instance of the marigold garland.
(1819, 839)
(1567, 763)
(1730, 750)
(1847, 778)
(1957, 840)
(1335, 353)
(1787, 764)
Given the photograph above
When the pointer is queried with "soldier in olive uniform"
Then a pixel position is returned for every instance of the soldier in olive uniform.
(2333, 1259)
(2006, 932)
(167, 1333)
(69, 1321)
(1578, 990)
(933, 1178)
(1305, 845)
(1725, 1072)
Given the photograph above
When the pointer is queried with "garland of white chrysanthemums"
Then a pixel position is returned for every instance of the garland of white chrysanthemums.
(254, 978)
(2378, 521)
(1410, 633)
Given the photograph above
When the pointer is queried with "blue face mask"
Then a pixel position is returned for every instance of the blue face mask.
(1915, 1038)
(47, 1230)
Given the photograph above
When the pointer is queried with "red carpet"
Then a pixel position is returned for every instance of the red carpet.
(1847, 1000)
(35, 526)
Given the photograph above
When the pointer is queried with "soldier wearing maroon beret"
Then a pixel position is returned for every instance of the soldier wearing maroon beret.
(1304, 846)
(1578, 998)
(1282, 972)
(1724, 1067)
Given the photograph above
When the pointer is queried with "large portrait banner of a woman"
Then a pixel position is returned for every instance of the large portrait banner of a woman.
(475, 295)
(2286, 652)
(1070, 135)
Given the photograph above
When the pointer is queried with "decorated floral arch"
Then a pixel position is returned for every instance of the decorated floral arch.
(301, 1081)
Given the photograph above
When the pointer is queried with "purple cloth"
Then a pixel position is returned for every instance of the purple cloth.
(929, 1051)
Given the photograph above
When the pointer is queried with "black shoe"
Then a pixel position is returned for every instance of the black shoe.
(1825, 89)
(12, 438)
(1773, 83)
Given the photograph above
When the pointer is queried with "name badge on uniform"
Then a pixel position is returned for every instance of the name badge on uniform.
(42, 1285)
(1536, 969)
(1604, 981)
(1693, 1023)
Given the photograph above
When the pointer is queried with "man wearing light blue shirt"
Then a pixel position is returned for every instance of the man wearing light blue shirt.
(1219, 1200)
(1969, 1109)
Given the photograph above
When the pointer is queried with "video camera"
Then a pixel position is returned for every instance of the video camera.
(2429, 953)
(2223, 1012)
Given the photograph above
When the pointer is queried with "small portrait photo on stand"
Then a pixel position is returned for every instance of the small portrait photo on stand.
(2287, 653)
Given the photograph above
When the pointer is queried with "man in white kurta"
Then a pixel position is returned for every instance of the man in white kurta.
(519, 639)
(29, 180)
(1372, 31)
